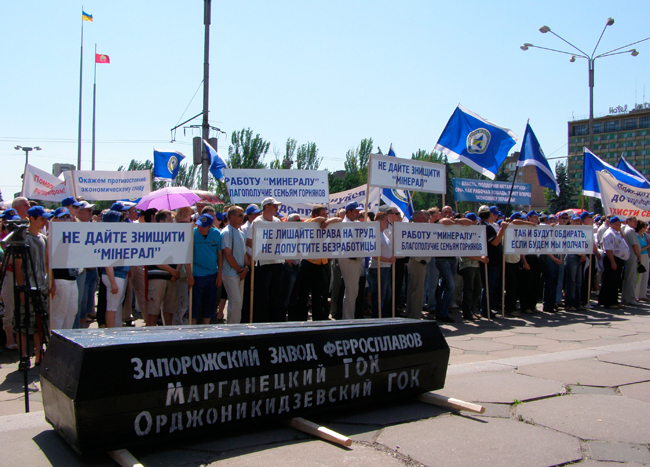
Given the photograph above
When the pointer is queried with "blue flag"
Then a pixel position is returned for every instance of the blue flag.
(399, 199)
(476, 141)
(532, 154)
(216, 162)
(593, 164)
(625, 166)
(166, 164)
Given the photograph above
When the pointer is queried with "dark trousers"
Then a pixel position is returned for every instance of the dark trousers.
(513, 271)
(489, 285)
(608, 295)
(584, 293)
(531, 283)
(551, 276)
(400, 300)
(472, 286)
(267, 298)
(313, 278)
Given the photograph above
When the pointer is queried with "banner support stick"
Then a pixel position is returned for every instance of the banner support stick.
(503, 287)
(252, 277)
(591, 261)
(487, 292)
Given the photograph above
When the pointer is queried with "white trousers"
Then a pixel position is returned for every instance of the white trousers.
(64, 304)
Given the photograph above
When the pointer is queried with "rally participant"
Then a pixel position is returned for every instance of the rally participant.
(630, 273)
(531, 284)
(8, 285)
(114, 278)
(21, 205)
(267, 306)
(417, 269)
(163, 284)
(469, 268)
(351, 268)
(183, 216)
(64, 291)
(205, 273)
(386, 260)
(573, 275)
(617, 252)
(235, 264)
(495, 252)
(35, 270)
(313, 277)
(87, 278)
(252, 212)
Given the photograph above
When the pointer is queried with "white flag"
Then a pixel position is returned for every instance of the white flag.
(38, 184)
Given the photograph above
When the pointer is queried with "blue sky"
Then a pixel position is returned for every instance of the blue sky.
(329, 72)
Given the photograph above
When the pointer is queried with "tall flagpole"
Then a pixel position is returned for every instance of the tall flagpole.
(81, 64)
(94, 101)
(514, 179)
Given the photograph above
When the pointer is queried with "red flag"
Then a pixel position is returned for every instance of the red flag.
(101, 58)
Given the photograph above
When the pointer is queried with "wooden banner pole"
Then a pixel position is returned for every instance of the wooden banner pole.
(503, 287)
(487, 291)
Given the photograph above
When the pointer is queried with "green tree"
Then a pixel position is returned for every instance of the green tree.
(307, 157)
(288, 159)
(423, 200)
(567, 192)
(246, 151)
(356, 167)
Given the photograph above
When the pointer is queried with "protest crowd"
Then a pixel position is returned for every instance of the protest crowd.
(216, 286)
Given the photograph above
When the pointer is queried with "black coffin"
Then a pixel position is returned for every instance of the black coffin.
(107, 389)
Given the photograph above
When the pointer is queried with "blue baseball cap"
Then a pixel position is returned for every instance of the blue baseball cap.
(119, 206)
(532, 213)
(219, 215)
(112, 216)
(353, 206)
(8, 214)
(471, 216)
(205, 220)
(38, 211)
(70, 201)
(494, 210)
(586, 214)
(60, 212)
(252, 209)
(614, 219)
(575, 217)
(597, 218)
(515, 215)
(499, 221)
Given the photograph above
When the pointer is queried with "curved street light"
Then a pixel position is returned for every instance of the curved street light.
(26, 149)
(590, 61)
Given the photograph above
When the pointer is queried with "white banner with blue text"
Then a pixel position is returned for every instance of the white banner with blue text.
(105, 185)
(406, 174)
(298, 240)
(336, 202)
(621, 199)
(98, 244)
(428, 240)
(549, 240)
(287, 186)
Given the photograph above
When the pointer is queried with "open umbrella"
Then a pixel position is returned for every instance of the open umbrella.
(172, 197)
(207, 197)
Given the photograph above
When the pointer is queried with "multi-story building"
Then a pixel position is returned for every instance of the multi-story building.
(621, 133)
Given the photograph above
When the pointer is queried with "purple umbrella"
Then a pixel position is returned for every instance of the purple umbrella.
(171, 198)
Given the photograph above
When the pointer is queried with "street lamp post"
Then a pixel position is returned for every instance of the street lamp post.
(26, 149)
(590, 62)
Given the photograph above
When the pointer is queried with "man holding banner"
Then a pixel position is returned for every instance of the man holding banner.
(351, 268)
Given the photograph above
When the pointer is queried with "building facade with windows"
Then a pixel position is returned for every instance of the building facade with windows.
(619, 134)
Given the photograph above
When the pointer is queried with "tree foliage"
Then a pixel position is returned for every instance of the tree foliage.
(423, 200)
(303, 157)
(246, 151)
(567, 192)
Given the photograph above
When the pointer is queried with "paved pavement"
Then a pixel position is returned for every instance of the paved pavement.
(571, 388)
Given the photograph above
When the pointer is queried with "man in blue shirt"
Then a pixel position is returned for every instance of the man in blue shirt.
(205, 272)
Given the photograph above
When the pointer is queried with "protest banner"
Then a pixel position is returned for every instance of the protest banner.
(336, 202)
(97, 244)
(406, 174)
(487, 191)
(428, 240)
(621, 199)
(107, 185)
(548, 239)
(298, 240)
(288, 186)
(38, 184)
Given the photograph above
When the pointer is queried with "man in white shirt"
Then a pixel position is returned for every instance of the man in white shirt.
(351, 268)
(628, 297)
(267, 305)
(617, 252)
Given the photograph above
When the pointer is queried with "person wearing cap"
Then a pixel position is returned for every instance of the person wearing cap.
(251, 213)
(87, 278)
(617, 252)
(204, 276)
(469, 268)
(628, 230)
(72, 205)
(235, 265)
(64, 292)
(85, 211)
(495, 251)
(587, 218)
(531, 279)
(314, 277)
(351, 268)
(35, 271)
(267, 304)
(417, 270)
(573, 275)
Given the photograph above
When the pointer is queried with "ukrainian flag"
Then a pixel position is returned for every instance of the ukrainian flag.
(86, 17)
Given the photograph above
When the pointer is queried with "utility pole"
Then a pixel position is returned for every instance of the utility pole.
(205, 127)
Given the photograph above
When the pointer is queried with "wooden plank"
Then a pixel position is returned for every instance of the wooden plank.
(457, 404)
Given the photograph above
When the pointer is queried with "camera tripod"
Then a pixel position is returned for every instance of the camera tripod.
(17, 249)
